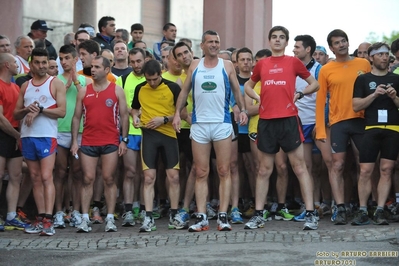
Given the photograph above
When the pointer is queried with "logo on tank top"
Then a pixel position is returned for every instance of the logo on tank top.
(109, 102)
(208, 86)
(275, 82)
(43, 99)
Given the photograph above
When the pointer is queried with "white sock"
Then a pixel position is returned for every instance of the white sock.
(110, 216)
(397, 197)
(86, 216)
(136, 204)
(11, 215)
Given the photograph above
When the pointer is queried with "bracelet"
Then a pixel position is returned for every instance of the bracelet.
(301, 95)
(244, 111)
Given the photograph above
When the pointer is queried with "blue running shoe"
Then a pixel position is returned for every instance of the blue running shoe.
(334, 211)
(300, 217)
(235, 216)
(15, 224)
(1, 225)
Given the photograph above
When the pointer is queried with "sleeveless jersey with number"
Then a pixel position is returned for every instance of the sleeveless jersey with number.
(100, 117)
(211, 94)
(42, 126)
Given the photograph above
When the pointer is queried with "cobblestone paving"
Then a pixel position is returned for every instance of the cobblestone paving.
(276, 231)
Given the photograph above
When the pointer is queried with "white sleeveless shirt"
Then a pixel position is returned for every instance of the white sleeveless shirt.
(211, 94)
(42, 125)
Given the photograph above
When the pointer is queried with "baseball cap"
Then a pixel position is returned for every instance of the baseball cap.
(89, 28)
(40, 25)
(321, 48)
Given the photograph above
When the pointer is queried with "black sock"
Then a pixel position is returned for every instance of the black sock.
(173, 212)
(48, 216)
(307, 211)
(142, 207)
(128, 207)
(280, 206)
(43, 215)
(148, 214)
(19, 208)
(98, 204)
(258, 212)
(341, 205)
(266, 207)
(162, 201)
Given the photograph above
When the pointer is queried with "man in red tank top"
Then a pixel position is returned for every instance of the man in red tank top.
(101, 103)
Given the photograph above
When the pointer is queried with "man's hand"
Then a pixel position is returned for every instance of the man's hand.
(122, 148)
(176, 123)
(30, 117)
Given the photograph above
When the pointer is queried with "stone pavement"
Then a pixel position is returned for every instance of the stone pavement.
(128, 237)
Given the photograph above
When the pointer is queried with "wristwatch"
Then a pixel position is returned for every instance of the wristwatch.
(41, 109)
(165, 119)
(77, 82)
(301, 95)
(244, 111)
(125, 140)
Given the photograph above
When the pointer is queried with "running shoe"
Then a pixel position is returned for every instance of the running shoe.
(76, 219)
(235, 216)
(283, 214)
(179, 221)
(128, 219)
(324, 209)
(48, 228)
(201, 224)
(148, 225)
(96, 216)
(136, 213)
(22, 216)
(59, 220)
(250, 211)
(110, 225)
(36, 227)
(311, 222)
(255, 222)
(223, 223)
(379, 218)
(1, 225)
(300, 217)
(361, 218)
(156, 214)
(334, 212)
(210, 211)
(84, 226)
(267, 216)
(340, 218)
(15, 224)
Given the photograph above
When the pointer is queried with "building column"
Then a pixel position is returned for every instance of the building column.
(84, 12)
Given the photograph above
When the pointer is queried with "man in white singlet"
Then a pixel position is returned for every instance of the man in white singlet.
(212, 80)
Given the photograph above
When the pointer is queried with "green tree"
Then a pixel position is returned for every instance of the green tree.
(374, 37)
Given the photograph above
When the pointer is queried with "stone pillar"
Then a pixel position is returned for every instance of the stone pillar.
(84, 12)
(12, 19)
(239, 22)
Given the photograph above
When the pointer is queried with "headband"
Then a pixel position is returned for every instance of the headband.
(382, 49)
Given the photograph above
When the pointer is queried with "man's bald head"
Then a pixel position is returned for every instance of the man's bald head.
(362, 50)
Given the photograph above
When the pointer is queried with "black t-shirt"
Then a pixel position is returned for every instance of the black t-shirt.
(365, 85)
(22, 79)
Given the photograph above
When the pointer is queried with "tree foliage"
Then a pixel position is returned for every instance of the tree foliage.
(374, 37)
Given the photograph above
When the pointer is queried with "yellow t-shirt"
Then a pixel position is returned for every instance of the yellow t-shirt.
(130, 86)
(253, 121)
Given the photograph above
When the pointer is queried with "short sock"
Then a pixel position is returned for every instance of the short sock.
(110, 216)
(136, 204)
(11, 215)
(142, 207)
(258, 212)
(148, 214)
(341, 205)
(48, 216)
(397, 197)
(380, 208)
(316, 203)
(173, 212)
(42, 215)
(86, 216)
(203, 215)
(363, 208)
(280, 206)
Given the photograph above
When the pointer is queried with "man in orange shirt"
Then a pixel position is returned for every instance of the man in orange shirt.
(337, 78)
(88, 50)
